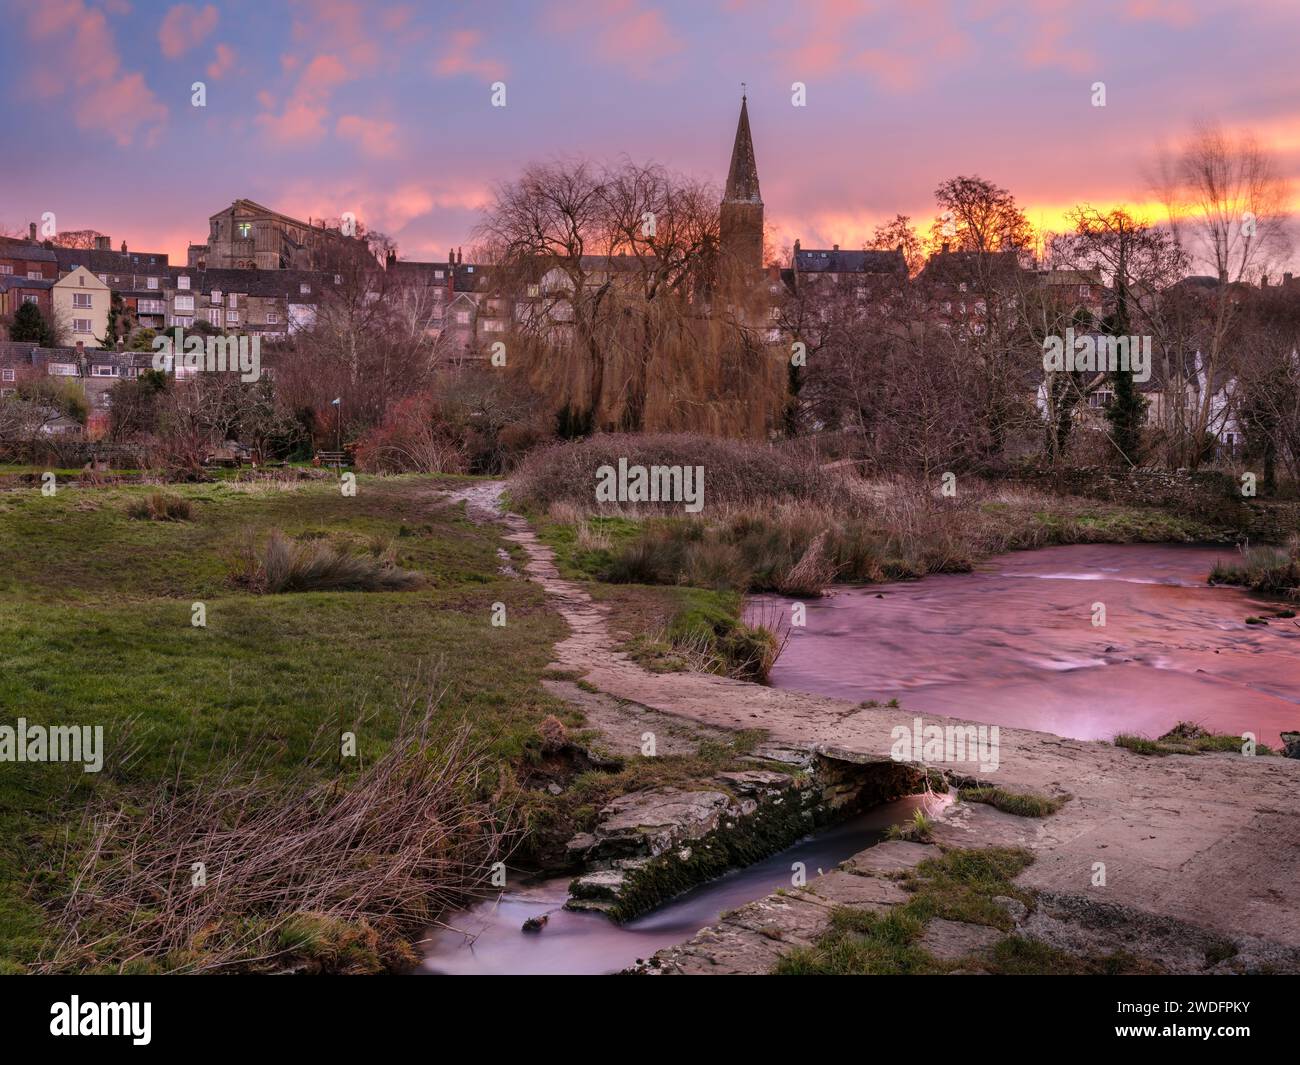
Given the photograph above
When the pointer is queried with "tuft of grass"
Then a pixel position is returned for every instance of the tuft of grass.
(281, 564)
(1022, 804)
(918, 830)
(1187, 737)
(160, 506)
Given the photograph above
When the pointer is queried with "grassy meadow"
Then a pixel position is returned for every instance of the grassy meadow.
(95, 622)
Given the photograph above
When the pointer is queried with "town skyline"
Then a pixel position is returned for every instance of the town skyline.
(391, 114)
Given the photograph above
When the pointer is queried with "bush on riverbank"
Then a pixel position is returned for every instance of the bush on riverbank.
(1268, 570)
(889, 530)
(708, 635)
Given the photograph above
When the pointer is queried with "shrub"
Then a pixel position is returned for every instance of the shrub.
(1269, 570)
(723, 643)
(285, 565)
(735, 473)
(331, 875)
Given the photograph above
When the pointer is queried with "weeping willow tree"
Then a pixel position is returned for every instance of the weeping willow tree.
(623, 315)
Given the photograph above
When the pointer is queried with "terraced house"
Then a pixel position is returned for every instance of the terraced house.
(81, 303)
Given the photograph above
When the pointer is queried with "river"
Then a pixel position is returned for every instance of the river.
(1014, 643)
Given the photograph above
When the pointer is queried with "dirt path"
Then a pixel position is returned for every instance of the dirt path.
(1212, 841)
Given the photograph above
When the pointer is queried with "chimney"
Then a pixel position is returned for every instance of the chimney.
(460, 258)
(451, 257)
(123, 247)
(1263, 281)
(944, 249)
(835, 247)
(31, 231)
(121, 343)
(1286, 279)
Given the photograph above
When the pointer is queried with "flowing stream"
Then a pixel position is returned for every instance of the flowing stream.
(1014, 643)
(487, 939)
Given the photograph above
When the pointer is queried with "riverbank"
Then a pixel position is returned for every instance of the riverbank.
(1173, 834)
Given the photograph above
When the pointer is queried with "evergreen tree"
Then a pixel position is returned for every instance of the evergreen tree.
(30, 326)
(1127, 411)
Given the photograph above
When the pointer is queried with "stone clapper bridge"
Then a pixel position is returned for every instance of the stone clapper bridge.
(1201, 852)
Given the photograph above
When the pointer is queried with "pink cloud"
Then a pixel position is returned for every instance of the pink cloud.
(342, 27)
(458, 59)
(303, 118)
(222, 63)
(184, 27)
(627, 34)
(67, 35)
(376, 139)
(1172, 12)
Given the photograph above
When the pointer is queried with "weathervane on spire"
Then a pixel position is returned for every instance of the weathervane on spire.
(742, 90)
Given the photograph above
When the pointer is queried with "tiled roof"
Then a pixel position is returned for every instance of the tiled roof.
(31, 252)
(835, 261)
(14, 281)
(111, 262)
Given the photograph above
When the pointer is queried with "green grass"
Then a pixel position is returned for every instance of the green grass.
(1188, 738)
(1022, 804)
(1268, 570)
(95, 619)
(957, 885)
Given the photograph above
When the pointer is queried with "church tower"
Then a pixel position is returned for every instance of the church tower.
(741, 220)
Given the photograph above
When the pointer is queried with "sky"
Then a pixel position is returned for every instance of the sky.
(316, 107)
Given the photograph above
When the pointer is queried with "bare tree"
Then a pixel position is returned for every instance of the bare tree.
(1227, 205)
(78, 238)
(900, 235)
(977, 215)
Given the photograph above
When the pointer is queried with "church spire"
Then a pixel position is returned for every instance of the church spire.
(742, 178)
